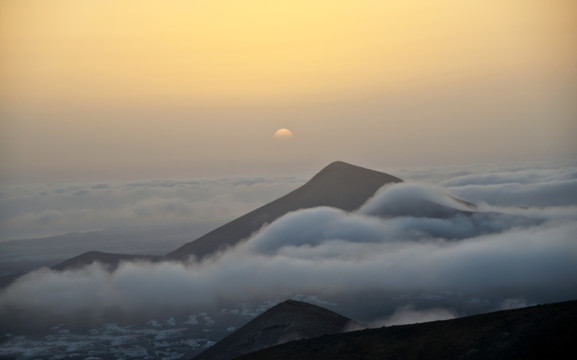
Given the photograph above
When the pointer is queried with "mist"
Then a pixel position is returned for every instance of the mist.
(41, 210)
(461, 255)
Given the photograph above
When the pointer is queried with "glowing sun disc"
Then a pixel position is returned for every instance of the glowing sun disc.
(283, 134)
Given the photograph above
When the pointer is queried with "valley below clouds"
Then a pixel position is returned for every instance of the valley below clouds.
(474, 242)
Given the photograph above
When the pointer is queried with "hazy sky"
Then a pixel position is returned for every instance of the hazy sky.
(99, 89)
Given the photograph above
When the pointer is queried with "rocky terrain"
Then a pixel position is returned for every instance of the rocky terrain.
(287, 321)
(538, 332)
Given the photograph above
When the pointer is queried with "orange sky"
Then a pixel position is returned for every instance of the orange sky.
(102, 88)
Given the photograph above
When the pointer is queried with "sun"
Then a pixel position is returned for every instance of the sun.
(283, 134)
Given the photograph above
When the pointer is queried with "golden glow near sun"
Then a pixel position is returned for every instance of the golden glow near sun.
(283, 134)
(90, 86)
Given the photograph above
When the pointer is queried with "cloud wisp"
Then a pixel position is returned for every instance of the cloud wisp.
(541, 188)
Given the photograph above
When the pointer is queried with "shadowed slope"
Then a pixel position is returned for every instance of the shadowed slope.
(539, 332)
(338, 185)
(287, 321)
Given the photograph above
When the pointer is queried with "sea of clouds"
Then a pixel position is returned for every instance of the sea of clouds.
(413, 251)
(42, 210)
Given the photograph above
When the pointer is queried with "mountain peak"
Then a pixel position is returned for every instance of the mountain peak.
(339, 185)
(286, 321)
(291, 306)
(339, 163)
(341, 166)
(342, 171)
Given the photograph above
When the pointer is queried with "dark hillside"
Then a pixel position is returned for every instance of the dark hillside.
(539, 332)
(290, 320)
(338, 185)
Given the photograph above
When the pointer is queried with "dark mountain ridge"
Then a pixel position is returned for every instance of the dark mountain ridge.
(287, 321)
(537, 332)
(340, 185)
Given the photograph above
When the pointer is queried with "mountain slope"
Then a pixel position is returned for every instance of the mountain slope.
(287, 321)
(538, 332)
(338, 185)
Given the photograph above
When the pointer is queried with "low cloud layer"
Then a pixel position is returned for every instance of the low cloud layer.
(541, 188)
(452, 260)
(53, 209)
(409, 315)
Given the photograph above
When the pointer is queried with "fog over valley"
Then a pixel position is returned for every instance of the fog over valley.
(435, 245)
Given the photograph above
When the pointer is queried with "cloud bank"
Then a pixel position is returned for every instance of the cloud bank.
(371, 261)
(53, 209)
(541, 188)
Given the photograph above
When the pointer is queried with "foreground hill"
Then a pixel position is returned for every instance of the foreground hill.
(539, 332)
(287, 321)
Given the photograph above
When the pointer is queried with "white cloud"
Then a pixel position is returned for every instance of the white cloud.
(46, 210)
(543, 187)
(408, 314)
(332, 254)
(501, 256)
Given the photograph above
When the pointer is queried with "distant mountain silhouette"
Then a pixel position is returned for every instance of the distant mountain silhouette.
(287, 321)
(538, 332)
(340, 185)
(110, 260)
